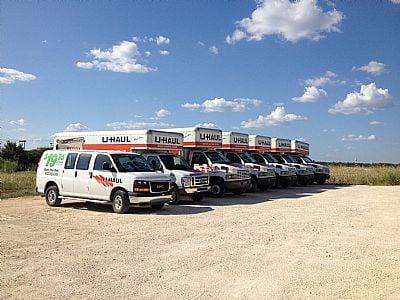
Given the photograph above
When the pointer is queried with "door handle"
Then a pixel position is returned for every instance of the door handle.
(90, 174)
(76, 173)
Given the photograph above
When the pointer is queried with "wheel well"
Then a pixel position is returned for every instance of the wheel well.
(118, 188)
(50, 183)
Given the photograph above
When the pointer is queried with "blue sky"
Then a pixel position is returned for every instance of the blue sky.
(317, 70)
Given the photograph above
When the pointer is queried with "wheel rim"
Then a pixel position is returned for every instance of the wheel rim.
(52, 196)
(118, 202)
(215, 189)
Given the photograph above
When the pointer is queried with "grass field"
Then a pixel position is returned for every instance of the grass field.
(23, 183)
(365, 175)
(17, 184)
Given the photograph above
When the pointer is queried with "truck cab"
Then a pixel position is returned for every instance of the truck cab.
(186, 181)
(285, 175)
(118, 178)
(321, 172)
(305, 174)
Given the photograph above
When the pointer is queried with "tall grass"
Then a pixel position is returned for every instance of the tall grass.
(8, 166)
(365, 175)
(17, 184)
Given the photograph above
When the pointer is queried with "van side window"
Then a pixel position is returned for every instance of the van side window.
(70, 161)
(100, 160)
(83, 161)
(199, 158)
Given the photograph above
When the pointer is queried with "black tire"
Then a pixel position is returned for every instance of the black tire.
(120, 202)
(283, 184)
(239, 192)
(196, 197)
(217, 189)
(320, 180)
(157, 206)
(175, 196)
(253, 185)
(52, 196)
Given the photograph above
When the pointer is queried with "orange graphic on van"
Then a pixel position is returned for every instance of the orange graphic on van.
(102, 180)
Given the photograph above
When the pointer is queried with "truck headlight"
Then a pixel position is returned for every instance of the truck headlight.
(185, 181)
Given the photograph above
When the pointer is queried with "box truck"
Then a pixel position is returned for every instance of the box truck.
(259, 146)
(161, 149)
(300, 153)
(200, 149)
(281, 149)
(235, 147)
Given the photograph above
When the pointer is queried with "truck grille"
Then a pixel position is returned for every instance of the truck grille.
(199, 180)
(244, 174)
(159, 186)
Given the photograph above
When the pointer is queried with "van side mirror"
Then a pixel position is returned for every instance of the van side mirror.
(106, 166)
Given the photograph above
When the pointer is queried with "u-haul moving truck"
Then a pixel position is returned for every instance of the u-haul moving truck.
(160, 148)
(199, 148)
(259, 146)
(281, 149)
(235, 147)
(300, 152)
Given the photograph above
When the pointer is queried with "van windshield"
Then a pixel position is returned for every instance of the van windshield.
(246, 157)
(175, 162)
(270, 158)
(307, 159)
(130, 163)
(279, 159)
(297, 159)
(216, 157)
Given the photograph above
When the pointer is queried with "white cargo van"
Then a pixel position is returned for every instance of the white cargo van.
(235, 146)
(119, 178)
(259, 146)
(199, 148)
(300, 152)
(161, 149)
(281, 149)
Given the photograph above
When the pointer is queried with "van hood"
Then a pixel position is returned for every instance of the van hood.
(149, 176)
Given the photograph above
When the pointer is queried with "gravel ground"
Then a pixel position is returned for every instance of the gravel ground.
(306, 242)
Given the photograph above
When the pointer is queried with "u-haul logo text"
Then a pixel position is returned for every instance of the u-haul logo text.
(210, 137)
(282, 144)
(166, 140)
(116, 139)
(264, 143)
(240, 140)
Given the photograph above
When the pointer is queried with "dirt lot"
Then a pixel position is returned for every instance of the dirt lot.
(322, 242)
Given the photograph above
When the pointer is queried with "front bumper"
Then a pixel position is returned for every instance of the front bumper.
(266, 182)
(323, 176)
(304, 178)
(286, 180)
(141, 199)
(237, 185)
(194, 190)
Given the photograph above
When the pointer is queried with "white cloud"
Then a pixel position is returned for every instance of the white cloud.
(222, 105)
(290, 20)
(8, 76)
(120, 58)
(369, 98)
(328, 78)
(373, 67)
(19, 122)
(206, 125)
(200, 43)
(76, 127)
(147, 53)
(311, 94)
(137, 125)
(160, 40)
(213, 50)
(277, 117)
(161, 113)
(164, 52)
(395, 1)
(375, 123)
(354, 138)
